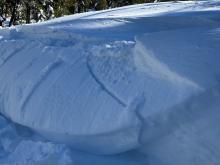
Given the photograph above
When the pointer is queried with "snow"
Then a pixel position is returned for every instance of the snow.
(140, 84)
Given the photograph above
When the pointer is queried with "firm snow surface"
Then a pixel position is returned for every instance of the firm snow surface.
(140, 84)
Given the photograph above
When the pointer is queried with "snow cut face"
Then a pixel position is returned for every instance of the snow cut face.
(83, 112)
(103, 89)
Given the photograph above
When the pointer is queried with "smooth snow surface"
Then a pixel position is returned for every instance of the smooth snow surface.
(141, 83)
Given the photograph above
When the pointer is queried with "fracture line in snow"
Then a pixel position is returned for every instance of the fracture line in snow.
(102, 85)
(43, 75)
(137, 105)
(16, 51)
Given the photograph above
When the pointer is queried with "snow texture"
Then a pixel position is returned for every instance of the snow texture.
(140, 83)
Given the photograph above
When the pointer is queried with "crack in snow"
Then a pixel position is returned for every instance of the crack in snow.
(103, 86)
(43, 75)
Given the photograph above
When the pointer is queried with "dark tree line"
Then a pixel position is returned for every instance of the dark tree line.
(28, 11)
(25, 11)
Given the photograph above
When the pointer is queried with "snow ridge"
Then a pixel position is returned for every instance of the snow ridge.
(159, 81)
(146, 62)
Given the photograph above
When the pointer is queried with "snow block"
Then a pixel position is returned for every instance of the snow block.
(104, 96)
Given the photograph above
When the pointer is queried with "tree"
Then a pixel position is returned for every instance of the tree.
(14, 15)
(2, 19)
(101, 5)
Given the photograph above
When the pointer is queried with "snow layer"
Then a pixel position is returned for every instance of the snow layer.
(143, 77)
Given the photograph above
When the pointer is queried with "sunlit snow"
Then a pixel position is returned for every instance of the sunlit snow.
(127, 86)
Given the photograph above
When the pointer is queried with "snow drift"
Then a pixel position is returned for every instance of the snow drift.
(109, 82)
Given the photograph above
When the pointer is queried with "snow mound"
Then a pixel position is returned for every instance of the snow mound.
(107, 84)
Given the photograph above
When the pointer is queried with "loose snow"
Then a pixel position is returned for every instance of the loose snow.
(140, 84)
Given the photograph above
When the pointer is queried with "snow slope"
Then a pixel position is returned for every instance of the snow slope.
(144, 78)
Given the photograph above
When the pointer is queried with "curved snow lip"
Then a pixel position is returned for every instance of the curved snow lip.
(104, 144)
(109, 100)
(35, 100)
